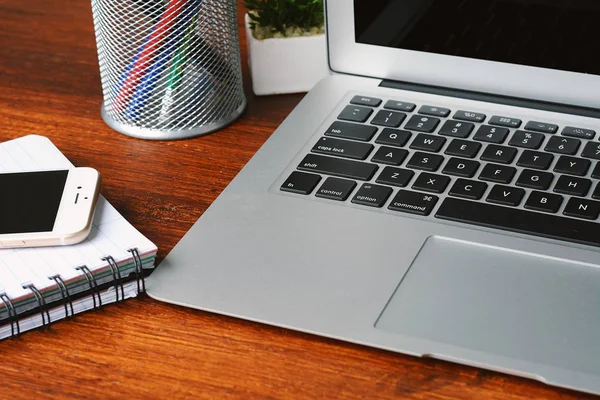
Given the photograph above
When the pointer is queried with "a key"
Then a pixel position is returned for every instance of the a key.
(391, 119)
(365, 101)
(399, 105)
(456, 129)
(422, 124)
(497, 173)
(491, 134)
(520, 221)
(528, 140)
(336, 189)
(463, 148)
(372, 195)
(355, 113)
(583, 208)
(425, 161)
(389, 155)
(393, 137)
(501, 154)
(572, 185)
(468, 189)
(542, 201)
(342, 148)
(395, 176)
(535, 159)
(428, 142)
(338, 167)
(505, 195)
(535, 179)
(460, 167)
(541, 127)
(579, 133)
(434, 111)
(469, 116)
(413, 202)
(300, 183)
(348, 130)
(563, 145)
(505, 121)
(572, 165)
(431, 182)
(591, 150)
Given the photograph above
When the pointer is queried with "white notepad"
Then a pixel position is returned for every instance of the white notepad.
(111, 235)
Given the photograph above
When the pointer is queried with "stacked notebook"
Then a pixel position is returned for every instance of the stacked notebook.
(39, 286)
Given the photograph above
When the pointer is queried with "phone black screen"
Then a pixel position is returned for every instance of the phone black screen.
(29, 201)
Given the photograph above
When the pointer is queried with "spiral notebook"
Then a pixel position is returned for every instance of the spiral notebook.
(39, 286)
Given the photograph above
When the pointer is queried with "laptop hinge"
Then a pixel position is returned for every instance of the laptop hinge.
(492, 98)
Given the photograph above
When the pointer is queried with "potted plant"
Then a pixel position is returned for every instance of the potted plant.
(287, 49)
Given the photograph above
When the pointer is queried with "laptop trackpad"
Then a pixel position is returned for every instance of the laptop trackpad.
(497, 301)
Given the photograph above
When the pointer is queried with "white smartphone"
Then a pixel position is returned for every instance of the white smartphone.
(47, 208)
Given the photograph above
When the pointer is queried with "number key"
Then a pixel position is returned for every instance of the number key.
(491, 134)
(563, 145)
(457, 129)
(591, 150)
(422, 124)
(529, 140)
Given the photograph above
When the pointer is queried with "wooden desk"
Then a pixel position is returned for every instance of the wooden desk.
(49, 84)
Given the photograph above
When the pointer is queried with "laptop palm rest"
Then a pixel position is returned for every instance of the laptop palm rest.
(500, 302)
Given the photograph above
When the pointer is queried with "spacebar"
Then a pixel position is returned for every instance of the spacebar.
(515, 220)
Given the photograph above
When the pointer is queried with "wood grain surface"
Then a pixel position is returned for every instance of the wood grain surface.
(49, 85)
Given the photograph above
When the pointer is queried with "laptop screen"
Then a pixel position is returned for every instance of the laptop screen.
(556, 34)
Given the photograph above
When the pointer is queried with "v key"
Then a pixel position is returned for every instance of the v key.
(506, 195)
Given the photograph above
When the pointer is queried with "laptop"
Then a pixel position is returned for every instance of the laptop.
(437, 195)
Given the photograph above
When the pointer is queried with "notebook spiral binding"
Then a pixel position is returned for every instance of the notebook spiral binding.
(67, 301)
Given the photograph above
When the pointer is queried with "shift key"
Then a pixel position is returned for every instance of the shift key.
(338, 167)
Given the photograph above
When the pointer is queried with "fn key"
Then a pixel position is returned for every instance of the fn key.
(300, 183)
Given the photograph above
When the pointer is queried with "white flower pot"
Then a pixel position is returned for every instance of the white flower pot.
(286, 65)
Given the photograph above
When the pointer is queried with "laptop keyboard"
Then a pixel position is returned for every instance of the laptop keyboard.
(458, 165)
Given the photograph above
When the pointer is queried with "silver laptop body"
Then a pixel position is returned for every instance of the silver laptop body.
(496, 267)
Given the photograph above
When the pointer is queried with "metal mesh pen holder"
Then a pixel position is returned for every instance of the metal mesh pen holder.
(170, 69)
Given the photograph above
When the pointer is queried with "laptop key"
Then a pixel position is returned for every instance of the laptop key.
(428, 142)
(372, 195)
(596, 171)
(348, 130)
(393, 137)
(520, 221)
(456, 129)
(342, 148)
(413, 202)
(596, 194)
(579, 133)
(300, 183)
(460, 167)
(583, 208)
(542, 201)
(572, 185)
(468, 189)
(434, 111)
(505, 121)
(431, 182)
(491, 134)
(497, 173)
(365, 101)
(391, 119)
(389, 155)
(463, 148)
(541, 127)
(563, 145)
(338, 167)
(535, 159)
(399, 106)
(422, 124)
(355, 113)
(395, 176)
(505, 195)
(535, 179)
(528, 140)
(469, 116)
(572, 165)
(424, 161)
(336, 189)
(591, 150)
(501, 154)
